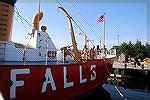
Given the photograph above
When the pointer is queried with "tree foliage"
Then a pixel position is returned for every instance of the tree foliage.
(136, 51)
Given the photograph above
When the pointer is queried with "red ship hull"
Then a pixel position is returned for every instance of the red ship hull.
(43, 82)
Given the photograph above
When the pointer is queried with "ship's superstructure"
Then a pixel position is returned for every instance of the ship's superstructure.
(38, 47)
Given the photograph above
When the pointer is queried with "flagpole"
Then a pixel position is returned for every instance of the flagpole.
(104, 37)
(102, 19)
(100, 42)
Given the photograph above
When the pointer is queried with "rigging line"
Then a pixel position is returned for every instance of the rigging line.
(82, 31)
(77, 24)
(22, 18)
(83, 18)
(39, 7)
(25, 48)
(59, 3)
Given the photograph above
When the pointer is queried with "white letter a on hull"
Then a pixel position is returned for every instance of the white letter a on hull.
(49, 79)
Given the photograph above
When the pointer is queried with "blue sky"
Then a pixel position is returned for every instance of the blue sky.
(129, 20)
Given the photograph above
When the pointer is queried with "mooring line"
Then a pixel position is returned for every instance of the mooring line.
(119, 92)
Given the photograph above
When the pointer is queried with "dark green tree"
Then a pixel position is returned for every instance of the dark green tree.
(139, 50)
(130, 50)
(124, 48)
(147, 50)
(136, 51)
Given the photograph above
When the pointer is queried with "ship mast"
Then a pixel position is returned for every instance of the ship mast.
(39, 6)
(75, 50)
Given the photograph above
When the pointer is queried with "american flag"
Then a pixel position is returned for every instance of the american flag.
(100, 19)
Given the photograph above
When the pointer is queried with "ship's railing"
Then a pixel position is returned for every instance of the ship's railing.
(47, 59)
(31, 56)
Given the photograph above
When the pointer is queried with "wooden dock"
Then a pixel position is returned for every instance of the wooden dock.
(129, 70)
(131, 66)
